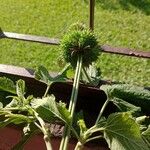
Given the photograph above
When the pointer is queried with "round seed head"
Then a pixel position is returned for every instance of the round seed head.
(77, 42)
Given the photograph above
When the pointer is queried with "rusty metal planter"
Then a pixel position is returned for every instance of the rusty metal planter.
(90, 100)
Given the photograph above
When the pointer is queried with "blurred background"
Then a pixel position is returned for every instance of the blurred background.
(118, 23)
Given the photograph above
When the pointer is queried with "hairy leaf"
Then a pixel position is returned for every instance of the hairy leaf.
(122, 133)
(7, 85)
(82, 126)
(146, 136)
(43, 75)
(125, 106)
(93, 73)
(20, 88)
(135, 95)
(48, 109)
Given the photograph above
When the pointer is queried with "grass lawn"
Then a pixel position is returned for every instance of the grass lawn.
(122, 23)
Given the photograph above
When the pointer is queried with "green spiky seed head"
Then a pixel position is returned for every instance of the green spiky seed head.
(79, 41)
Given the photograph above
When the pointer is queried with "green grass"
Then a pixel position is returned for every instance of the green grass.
(120, 23)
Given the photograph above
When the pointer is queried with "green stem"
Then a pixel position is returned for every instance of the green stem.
(86, 75)
(72, 105)
(146, 141)
(42, 127)
(79, 146)
(101, 111)
(92, 130)
(94, 138)
(47, 89)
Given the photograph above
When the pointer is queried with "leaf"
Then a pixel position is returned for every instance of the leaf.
(13, 103)
(82, 126)
(93, 73)
(125, 106)
(1, 105)
(101, 122)
(5, 122)
(135, 95)
(20, 88)
(122, 133)
(7, 85)
(19, 118)
(13, 118)
(146, 135)
(48, 109)
(43, 75)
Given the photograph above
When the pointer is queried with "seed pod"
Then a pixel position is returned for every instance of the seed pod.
(77, 42)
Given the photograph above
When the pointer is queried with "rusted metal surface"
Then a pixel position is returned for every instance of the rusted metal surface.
(52, 41)
(91, 18)
(31, 38)
(125, 51)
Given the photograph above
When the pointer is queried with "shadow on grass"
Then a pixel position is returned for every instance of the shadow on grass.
(142, 5)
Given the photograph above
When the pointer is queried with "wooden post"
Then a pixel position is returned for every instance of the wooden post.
(91, 19)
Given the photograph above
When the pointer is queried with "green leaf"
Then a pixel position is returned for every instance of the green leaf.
(92, 75)
(101, 122)
(20, 88)
(13, 118)
(125, 106)
(1, 105)
(146, 136)
(43, 75)
(7, 85)
(5, 122)
(82, 126)
(122, 133)
(13, 103)
(135, 95)
(48, 109)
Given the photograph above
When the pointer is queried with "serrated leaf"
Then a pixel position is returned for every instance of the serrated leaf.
(146, 135)
(135, 95)
(94, 74)
(48, 109)
(122, 133)
(125, 106)
(43, 75)
(20, 88)
(7, 85)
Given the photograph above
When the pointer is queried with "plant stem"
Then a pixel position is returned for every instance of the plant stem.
(44, 130)
(79, 146)
(94, 138)
(47, 89)
(87, 76)
(72, 105)
(101, 111)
